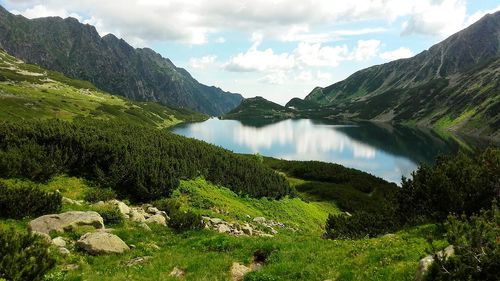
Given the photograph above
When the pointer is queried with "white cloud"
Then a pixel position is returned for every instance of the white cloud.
(366, 49)
(478, 15)
(192, 22)
(305, 76)
(317, 55)
(323, 75)
(220, 40)
(275, 78)
(203, 62)
(400, 53)
(39, 11)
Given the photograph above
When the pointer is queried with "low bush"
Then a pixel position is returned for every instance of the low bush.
(23, 256)
(110, 214)
(95, 195)
(27, 201)
(359, 225)
(185, 220)
(168, 205)
(477, 248)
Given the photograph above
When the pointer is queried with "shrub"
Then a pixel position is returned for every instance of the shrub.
(23, 256)
(182, 221)
(477, 249)
(168, 205)
(27, 201)
(110, 214)
(95, 195)
(359, 225)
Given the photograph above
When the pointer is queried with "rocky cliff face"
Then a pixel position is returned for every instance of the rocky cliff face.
(110, 63)
(453, 84)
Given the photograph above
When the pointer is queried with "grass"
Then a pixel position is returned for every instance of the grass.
(206, 255)
(30, 92)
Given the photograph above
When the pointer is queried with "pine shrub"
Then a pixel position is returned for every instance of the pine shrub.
(27, 201)
(94, 195)
(23, 256)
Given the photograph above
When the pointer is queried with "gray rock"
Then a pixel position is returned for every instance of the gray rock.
(64, 251)
(71, 201)
(425, 263)
(59, 242)
(222, 228)
(157, 219)
(65, 222)
(137, 215)
(98, 243)
(215, 221)
(122, 207)
(259, 220)
(247, 230)
(177, 272)
(137, 261)
(238, 271)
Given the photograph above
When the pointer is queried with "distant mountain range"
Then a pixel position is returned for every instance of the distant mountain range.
(78, 51)
(454, 85)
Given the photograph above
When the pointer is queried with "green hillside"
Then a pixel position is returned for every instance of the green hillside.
(259, 107)
(454, 86)
(30, 92)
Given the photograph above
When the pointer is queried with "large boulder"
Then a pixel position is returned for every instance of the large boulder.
(98, 243)
(65, 222)
(138, 215)
(426, 262)
(238, 271)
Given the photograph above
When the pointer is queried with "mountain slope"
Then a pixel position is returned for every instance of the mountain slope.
(31, 93)
(259, 107)
(453, 85)
(77, 50)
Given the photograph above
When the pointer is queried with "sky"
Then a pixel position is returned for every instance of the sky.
(278, 49)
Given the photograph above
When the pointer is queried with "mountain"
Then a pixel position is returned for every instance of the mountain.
(453, 85)
(78, 51)
(259, 107)
(28, 92)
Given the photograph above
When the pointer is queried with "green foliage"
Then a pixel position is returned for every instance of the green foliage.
(27, 201)
(167, 205)
(477, 249)
(185, 220)
(94, 195)
(23, 256)
(459, 184)
(137, 162)
(359, 225)
(110, 214)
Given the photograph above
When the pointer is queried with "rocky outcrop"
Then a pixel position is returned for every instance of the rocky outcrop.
(260, 227)
(177, 272)
(65, 222)
(98, 243)
(238, 271)
(426, 262)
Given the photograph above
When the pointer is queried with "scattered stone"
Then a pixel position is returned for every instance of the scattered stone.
(65, 222)
(137, 261)
(177, 272)
(152, 210)
(122, 207)
(157, 219)
(154, 246)
(389, 235)
(69, 267)
(259, 220)
(223, 228)
(98, 243)
(238, 271)
(136, 215)
(59, 242)
(247, 230)
(145, 226)
(426, 262)
(215, 221)
(64, 251)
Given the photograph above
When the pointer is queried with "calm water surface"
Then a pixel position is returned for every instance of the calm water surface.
(389, 152)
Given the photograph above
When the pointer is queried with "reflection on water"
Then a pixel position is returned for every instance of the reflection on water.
(385, 151)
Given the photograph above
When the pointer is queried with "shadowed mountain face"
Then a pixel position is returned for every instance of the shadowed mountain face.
(454, 84)
(77, 50)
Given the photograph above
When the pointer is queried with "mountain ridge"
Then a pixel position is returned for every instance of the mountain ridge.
(432, 88)
(110, 63)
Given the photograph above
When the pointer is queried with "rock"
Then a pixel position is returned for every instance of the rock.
(259, 220)
(64, 251)
(425, 263)
(157, 219)
(136, 215)
(98, 243)
(59, 242)
(215, 221)
(145, 226)
(122, 207)
(69, 267)
(247, 230)
(137, 261)
(222, 228)
(389, 235)
(65, 222)
(152, 210)
(238, 271)
(177, 272)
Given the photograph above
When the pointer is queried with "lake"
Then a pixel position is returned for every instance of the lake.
(386, 151)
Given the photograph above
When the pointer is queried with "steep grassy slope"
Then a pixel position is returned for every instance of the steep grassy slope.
(30, 92)
(453, 85)
(77, 50)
